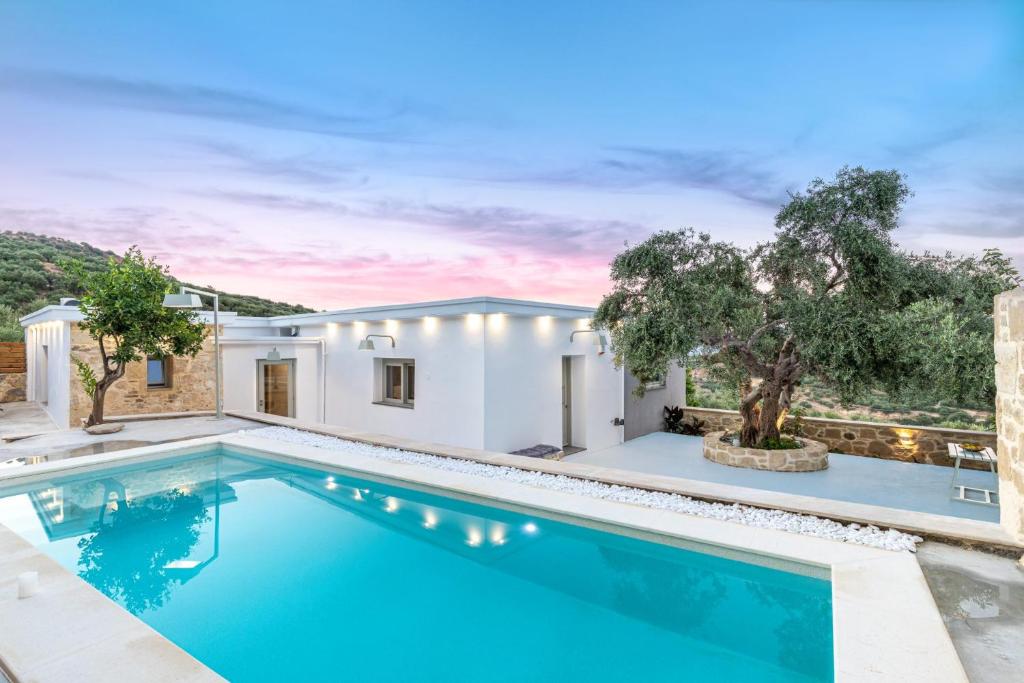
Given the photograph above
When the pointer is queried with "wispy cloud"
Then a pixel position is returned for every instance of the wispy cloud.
(274, 201)
(503, 227)
(300, 169)
(917, 147)
(368, 120)
(729, 172)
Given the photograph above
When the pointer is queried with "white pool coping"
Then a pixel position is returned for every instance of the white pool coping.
(886, 626)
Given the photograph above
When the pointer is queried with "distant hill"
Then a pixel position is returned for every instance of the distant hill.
(30, 277)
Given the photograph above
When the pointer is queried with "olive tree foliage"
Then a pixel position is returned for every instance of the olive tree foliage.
(124, 313)
(831, 295)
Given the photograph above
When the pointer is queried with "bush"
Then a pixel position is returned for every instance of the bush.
(673, 419)
(779, 444)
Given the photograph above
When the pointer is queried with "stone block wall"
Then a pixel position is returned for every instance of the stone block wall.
(873, 439)
(191, 387)
(12, 372)
(1009, 348)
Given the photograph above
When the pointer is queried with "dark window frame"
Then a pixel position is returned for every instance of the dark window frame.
(406, 364)
(167, 363)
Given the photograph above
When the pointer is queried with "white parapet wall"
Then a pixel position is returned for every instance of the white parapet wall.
(1009, 348)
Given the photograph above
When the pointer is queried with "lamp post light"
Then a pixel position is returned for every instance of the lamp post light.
(190, 298)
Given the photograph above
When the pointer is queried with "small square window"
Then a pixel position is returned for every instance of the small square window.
(657, 383)
(399, 382)
(158, 372)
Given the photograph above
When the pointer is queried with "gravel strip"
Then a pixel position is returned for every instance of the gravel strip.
(808, 525)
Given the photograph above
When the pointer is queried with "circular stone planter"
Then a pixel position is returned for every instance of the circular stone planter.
(811, 458)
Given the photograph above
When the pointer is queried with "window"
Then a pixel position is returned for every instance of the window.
(158, 372)
(657, 383)
(399, 377)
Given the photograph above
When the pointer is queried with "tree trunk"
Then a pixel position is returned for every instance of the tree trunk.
(98, 396)
(749, 416)
(768, 421)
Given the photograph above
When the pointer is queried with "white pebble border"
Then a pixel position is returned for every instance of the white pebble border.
(808, 525)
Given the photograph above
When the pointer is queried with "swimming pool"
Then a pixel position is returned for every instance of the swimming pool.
(268, 571)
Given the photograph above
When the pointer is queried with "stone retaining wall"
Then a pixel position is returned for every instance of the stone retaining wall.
(874, 439)
(1009, 348)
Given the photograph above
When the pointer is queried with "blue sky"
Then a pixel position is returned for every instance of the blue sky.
(358, 153)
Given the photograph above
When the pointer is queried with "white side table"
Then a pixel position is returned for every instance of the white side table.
(976, 495)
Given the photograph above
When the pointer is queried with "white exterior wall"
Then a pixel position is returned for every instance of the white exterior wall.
(449, 378)
(241, 378)
(523, 393)
(56, 336)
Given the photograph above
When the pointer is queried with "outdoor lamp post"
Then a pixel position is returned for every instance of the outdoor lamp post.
(190, 298)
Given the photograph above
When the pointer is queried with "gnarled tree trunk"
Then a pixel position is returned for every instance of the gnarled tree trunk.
(764, 409)
(99, 394)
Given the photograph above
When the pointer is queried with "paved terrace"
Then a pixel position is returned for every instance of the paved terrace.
(850, 478)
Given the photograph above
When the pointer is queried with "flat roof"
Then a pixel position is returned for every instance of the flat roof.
(440, 308)
(57, 313)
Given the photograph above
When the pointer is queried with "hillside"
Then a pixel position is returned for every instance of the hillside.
(30, 277)
(814, 399)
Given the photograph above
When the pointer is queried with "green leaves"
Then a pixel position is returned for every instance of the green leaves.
(858, 312)
(124, 304)
(86, 374)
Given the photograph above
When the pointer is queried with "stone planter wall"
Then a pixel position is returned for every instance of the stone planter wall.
(874, 439)
(811, 458)
(1009, 348)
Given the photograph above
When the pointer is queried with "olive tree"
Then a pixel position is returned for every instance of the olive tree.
(831, 295)
(124, 313)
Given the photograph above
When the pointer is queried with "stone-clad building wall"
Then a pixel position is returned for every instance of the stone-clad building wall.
(191, 383)
(873, 439)
(1009, 320)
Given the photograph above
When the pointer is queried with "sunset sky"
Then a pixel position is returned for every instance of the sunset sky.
(380, 152)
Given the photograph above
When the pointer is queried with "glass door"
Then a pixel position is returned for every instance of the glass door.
(276, 387)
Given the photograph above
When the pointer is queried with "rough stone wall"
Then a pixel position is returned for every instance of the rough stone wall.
(192, 383)
(12, 371)
(873, 439)
(12, 387)
(1009, 348)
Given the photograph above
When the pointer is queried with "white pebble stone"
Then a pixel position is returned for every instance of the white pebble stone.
(807, 525)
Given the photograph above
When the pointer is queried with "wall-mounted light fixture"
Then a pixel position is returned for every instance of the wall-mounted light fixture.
(367, 344)
(599, 341)
(273, 354)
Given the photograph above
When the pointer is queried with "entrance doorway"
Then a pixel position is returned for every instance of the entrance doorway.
(276, 387)
(43, 376)
(572, 405)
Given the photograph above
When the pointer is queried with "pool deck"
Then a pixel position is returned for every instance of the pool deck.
(851, 478)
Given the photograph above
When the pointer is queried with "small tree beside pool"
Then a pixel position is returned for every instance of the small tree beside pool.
(124, 313)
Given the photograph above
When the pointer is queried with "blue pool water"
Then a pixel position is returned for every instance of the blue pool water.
(268, 572)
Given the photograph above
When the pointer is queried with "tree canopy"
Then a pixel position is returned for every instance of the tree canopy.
(831, 295)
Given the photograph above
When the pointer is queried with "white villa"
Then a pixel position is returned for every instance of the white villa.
(482, 372)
